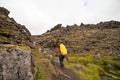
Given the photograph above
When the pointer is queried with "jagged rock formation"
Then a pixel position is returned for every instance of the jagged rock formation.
(4, 11)
(11, 32)
(16, 61)
(101, 25)
(95, 38)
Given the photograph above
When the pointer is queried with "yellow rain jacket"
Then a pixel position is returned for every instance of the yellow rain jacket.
(63, 49)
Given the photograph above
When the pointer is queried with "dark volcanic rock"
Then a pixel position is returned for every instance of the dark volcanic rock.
(16, 61)
(11, 32)
(109, 25)
(4, 11)
(58, 26)
(103, 37)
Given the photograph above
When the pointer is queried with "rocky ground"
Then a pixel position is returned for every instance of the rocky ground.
(64, 73)
(102, 37)
(99, 45)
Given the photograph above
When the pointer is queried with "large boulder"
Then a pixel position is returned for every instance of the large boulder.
(16, 63)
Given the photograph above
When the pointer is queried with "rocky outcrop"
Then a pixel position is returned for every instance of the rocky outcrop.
(96, 38)
(101, 25)
(16, 63)
(4, 11)
(11, 32)
(58, 26)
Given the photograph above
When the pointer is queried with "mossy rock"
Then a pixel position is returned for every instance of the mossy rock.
(10, 46)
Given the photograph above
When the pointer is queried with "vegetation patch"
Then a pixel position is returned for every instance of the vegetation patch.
(44, 66)
(10, 46)
(89, 68)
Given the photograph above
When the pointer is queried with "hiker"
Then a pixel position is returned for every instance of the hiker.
(62, 51)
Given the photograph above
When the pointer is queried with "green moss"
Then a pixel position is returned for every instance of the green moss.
(2, 16)
(15, 46)
(81, 58)
(112, 76)
(40, 73)
(44, 66)
(88, 68)
(23, 47)
(7, 32)
(4, 39)
(90, 72)
(112, 68)
(48, 67)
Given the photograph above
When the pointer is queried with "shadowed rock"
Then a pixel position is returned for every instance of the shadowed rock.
(4, 11)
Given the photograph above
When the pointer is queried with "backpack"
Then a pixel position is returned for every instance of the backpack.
(63, 49)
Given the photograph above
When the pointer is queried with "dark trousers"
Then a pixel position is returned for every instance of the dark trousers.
(61, 58)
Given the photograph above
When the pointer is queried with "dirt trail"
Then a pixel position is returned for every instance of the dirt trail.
(64, 73)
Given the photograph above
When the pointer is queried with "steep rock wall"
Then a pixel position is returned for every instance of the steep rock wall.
(16, 63)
